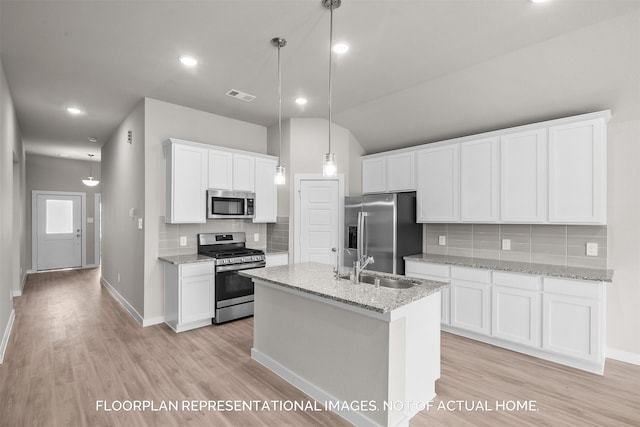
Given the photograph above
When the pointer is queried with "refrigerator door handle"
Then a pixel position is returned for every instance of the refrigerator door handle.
(359, 237)
(361, 234)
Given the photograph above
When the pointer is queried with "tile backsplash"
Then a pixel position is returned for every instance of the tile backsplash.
(278, 235)
(169, 239)
(538, 243)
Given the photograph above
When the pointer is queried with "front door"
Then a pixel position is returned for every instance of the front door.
(58, 231)
(319, 220)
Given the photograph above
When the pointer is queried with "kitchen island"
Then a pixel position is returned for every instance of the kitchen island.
(370, 354)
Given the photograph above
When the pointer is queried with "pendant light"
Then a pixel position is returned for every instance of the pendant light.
(280, 176)
(90, 181)
(329, 167)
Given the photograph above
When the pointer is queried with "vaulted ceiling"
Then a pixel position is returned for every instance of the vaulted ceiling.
(417, 71)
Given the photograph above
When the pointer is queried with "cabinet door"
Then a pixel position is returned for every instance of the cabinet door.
(243, 172)
(186, 184)
(470, 306)
(577, 173)
(571, 326)
(479, 180)
(266, 201)
(523, 169)
(374, 175)
(438, 192)
(515, 315)
(220, 169)
(196, 298)
(401, 172)
(274, 260)
(437, 272)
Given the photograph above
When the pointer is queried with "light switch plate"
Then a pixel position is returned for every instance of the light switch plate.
(442, 240)
(506, 244)
(256, 237)
(592, 249)
(139, 223)
(183, 240)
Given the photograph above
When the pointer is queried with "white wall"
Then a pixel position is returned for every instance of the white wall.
(123, 189)
(12, 206)
(163, 121)
(623, 295)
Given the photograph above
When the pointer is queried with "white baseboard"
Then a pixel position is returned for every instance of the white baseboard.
(623, 356)
(91, 266)
(7, 334)
(17, 293)
(132, 311)
(153, 321)
(310, 389)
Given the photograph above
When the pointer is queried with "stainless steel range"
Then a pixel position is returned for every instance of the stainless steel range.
(233, 292)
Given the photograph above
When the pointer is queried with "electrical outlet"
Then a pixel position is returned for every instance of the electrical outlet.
(442, 240)
(592, 249)
(506, 244)
(256, 237)
(183, 240)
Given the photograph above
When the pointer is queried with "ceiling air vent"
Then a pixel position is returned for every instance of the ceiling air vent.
(242, 96)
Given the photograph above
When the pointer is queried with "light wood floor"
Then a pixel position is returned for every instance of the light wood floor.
(72, 344)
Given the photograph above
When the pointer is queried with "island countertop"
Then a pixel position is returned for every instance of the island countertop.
(318, 279)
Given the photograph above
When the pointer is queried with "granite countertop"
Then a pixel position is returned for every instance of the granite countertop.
(318, 279)
(185, 259)
(590, 274)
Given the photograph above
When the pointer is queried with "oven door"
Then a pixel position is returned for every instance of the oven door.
(234, 293)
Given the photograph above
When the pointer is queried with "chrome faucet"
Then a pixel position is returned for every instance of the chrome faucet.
(360, 265)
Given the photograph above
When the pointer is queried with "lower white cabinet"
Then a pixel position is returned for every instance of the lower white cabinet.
(274, 260)
(515, 308)
(437, 272)
(189, 299)
(573, 319)
(470, 300)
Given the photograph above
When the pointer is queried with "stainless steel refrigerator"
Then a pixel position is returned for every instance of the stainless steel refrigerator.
(382, 226)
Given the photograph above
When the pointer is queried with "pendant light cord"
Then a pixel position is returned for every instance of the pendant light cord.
(279, 106)
(330, 67)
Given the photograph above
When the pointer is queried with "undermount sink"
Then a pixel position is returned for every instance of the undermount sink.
(385, 281)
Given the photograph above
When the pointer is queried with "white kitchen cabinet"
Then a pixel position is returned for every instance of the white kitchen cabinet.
(374, 172)
(276, 259)
(243, 172)
(577, 173)
(186, 183)
(479, 180)
(189, 295)
(220, 170)
(471, 299)
(573, 321)
(523, 177)
(266, 200)
(438, 184)
(515, 308)
(437, 272)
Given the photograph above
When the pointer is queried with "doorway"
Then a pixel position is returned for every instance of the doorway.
(58, 233)
(318, 215)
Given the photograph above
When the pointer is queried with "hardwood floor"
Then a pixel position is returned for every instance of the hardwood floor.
(73, 346)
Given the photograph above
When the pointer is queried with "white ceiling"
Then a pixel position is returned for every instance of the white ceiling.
(417, 71)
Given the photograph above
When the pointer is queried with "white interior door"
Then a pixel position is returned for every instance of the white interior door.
(58, 231)
(319, 219)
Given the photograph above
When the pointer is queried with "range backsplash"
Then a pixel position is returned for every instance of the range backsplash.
(278, 235)
(169, 240)
(546, 244)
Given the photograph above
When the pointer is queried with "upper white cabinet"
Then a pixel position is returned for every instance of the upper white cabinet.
(266, 201)
(479, 180)
(192, 168)
(394, 172)
(374, 172)
(220, 170)
(523, 176)
(186, 177)
(577, 172)
(438, 195)
(243, 172)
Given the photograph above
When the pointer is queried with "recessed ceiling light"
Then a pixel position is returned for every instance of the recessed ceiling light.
(538, 1)
(188, 61)
(63, 155)
(341, 47)
(75, 111)
(93, 139)
(301, 101)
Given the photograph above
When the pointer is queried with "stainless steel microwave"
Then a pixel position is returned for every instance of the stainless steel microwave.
(230, 204)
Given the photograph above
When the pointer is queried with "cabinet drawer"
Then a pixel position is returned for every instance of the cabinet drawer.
(471, 274)
(427, 269)
(197, 269)
(520, 281)
(576, 288)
